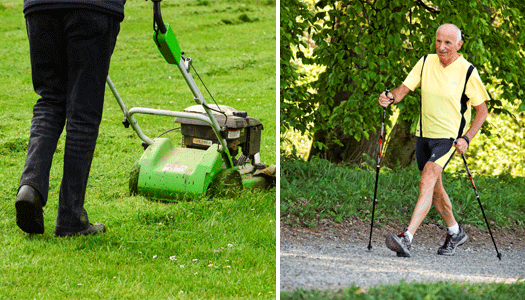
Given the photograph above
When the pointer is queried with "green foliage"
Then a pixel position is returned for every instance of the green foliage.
(501, 152)
(294, 110)
(315, 190)
(369, 46)
(404, 290)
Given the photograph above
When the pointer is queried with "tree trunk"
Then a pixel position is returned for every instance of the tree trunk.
(400, 151)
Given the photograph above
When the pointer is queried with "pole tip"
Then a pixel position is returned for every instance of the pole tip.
(370, 247)
(499, 256)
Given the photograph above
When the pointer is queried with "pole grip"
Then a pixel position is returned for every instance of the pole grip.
(392, 100)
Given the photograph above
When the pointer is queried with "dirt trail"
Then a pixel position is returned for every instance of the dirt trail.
(336, 256)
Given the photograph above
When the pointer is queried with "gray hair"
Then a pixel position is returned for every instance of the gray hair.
(458, 39)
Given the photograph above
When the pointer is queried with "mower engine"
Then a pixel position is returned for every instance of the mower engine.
(236, 127)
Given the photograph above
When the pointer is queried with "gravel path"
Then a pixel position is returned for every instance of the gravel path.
(334, 263)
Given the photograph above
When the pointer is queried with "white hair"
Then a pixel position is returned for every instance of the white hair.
(458, 39)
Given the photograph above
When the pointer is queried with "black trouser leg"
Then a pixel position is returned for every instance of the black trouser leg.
(87, 39)
(49, 74)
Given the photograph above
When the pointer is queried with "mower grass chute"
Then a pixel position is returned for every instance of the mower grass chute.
(207, 162)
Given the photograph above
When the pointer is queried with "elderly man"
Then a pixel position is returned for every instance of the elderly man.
(450, 85)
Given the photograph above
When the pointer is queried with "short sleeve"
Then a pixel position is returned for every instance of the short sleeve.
(413, 79)
(475, 90)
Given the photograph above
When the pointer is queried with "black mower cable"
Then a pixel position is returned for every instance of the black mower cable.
(167, 131)
(209, 93)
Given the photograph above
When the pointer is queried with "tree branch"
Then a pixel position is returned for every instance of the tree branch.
(430, 9)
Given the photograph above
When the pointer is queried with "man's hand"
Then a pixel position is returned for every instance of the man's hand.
(461, 145)
(386, 100)
(398, 94)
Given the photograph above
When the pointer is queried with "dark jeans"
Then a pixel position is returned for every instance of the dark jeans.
(70, 56)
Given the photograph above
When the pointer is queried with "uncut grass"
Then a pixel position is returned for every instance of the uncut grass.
(311, 191)
(406, 291)
(226, 246)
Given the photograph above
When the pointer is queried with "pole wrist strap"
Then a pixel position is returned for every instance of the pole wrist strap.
(466, 139)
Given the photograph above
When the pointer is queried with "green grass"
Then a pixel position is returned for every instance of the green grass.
(408, 291)
(318, 189)
(199, 249)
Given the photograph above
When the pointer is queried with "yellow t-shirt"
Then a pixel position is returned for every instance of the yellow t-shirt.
(441, 93)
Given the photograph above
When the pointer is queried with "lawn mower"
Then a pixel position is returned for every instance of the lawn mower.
(208, 162)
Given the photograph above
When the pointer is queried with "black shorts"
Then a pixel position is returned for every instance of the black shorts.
(439, 151)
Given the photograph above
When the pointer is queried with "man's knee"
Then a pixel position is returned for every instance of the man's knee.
(430, 174)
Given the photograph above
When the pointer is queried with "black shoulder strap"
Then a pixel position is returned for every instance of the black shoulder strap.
(424, 59)
(464, 100)
(421, 100)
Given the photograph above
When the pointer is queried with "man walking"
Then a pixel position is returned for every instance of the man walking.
(70, 43)
(450, 85)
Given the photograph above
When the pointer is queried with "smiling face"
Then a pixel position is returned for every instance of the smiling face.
(447, 44)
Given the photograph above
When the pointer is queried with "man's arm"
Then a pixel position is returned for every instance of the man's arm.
(481, 116)
(398, 94)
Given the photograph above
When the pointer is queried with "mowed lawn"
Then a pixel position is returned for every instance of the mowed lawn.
(223, 248)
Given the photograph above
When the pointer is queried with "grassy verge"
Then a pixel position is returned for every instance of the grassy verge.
(318, 189)
(199, 249)
(407, 291)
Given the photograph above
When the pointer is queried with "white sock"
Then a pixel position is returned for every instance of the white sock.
(410, 236)
(453, 229)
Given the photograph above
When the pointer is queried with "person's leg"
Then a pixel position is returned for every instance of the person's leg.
(430, 175)
(456, 236)
(49, 81)
(48, 69)
(442, 204)
(90, 39)
(401, 243)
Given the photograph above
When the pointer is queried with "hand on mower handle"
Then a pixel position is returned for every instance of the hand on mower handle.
(386, 98)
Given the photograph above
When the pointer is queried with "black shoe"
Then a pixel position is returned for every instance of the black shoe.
(91, 230)
(452, 242)
(399, 243)
(29, 213)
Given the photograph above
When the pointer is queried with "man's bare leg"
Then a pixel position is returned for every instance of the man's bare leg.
(401, 244)
(455, 235)
(430, 175)
(442, 203)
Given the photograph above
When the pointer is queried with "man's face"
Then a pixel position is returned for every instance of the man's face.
(447, 46)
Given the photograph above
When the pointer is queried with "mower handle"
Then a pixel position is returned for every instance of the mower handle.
(157, 16)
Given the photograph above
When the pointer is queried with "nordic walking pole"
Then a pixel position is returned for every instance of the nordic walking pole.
(381, 140)
(479, 201)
